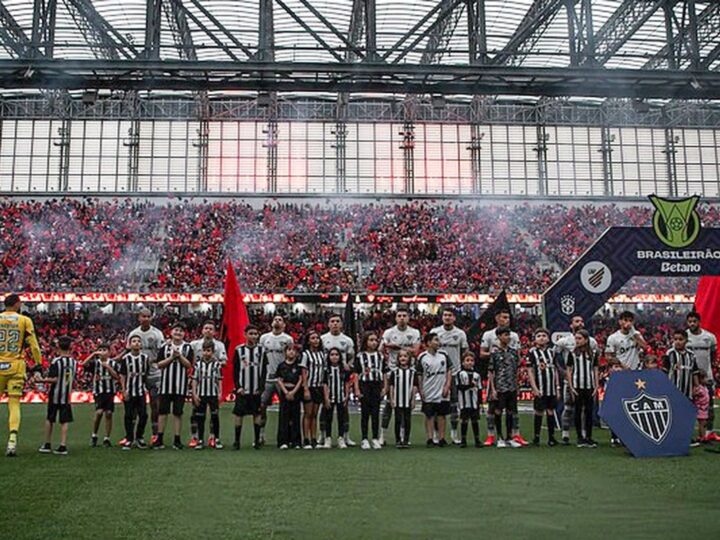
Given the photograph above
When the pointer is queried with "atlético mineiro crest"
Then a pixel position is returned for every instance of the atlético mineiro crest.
(650, 415)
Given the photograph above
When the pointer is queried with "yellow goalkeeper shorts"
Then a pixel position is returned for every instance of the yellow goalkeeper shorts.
(12, 378)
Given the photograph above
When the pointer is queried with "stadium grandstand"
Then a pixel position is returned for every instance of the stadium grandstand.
(370, 158)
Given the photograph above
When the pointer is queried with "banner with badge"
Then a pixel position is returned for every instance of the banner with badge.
(649, 414)
(676, 245)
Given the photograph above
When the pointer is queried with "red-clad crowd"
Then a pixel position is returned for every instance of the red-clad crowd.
(122, 245)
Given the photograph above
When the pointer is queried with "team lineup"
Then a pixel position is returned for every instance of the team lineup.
(314, 382)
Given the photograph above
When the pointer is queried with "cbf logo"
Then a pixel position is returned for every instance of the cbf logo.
(567, 304)
(651, 416)
(676, 223)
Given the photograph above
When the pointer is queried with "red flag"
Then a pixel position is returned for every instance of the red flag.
(707, 304)
(235, 319)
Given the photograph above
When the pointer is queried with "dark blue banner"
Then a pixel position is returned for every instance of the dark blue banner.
(620, 254)
(649, 414)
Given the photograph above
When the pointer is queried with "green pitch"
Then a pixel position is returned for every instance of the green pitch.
(417, 493)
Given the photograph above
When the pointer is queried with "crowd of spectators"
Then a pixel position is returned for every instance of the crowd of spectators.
(73, 244)
(91, 245)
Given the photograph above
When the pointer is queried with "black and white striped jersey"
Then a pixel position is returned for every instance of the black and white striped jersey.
(682, 366)
(207, 377)
(542, 363)
(336, 377)
(403, 382)
(370, 366)
(314, 363)
(174, 377)
(583, 373)
(469, 386)
(63, 368)
(249, 367)
(103, 381)
(135, 371)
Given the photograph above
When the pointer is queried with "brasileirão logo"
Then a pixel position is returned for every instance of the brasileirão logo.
(676, 222)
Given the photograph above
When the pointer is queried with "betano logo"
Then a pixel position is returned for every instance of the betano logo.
(676, 222)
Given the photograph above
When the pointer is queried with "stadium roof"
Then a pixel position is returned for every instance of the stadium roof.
(654, 48)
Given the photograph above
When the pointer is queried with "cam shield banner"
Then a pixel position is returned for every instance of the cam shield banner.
(649, 414)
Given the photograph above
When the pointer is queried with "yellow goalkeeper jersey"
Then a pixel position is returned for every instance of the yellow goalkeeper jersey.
(16, 331)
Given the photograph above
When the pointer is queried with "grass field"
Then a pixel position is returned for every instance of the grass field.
(562, 492)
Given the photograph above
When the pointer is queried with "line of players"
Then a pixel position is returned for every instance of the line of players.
(563, 376)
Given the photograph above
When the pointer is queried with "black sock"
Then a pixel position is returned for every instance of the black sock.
(509, 423)
(498, 425)
(538, 425)
(238, 432)
(160, 437)
(257, 432)
(476, 430)
(551, 426)
(463, 430)
(177, 439)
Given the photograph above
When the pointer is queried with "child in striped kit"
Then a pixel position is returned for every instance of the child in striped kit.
(61, 377)
(337, 386)
(403, 386)
(468, 384)
(104, 376)
(545, 384)
(134, 368)
(205, 384)
(289, 387)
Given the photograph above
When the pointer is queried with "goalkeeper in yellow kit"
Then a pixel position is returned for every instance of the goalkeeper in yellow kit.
(16, 332)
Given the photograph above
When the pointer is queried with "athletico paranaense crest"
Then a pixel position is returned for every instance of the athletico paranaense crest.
(650, 415)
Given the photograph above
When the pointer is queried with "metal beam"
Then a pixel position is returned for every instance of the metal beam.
(355, 33)
(692, 47)
(446, 9)
(482, 111)
(622, 25)
(347, 42)
(708, 33)
(229, 35)
(153, 22)
(43, 28)
(102, 38)
(356, 29)
(581, 35)
(176, 15)
(358, 77)
(370, 31)
(407, 35)
(12, 36)
(309, 30)
(536, 20)
(477, 31)
(266, 32)
(442, 33)
(712, 56)
(687, 40)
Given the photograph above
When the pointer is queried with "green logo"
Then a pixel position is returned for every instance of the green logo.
(676, 223)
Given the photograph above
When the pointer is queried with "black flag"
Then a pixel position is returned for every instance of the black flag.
(350, 329)
(487, 319)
